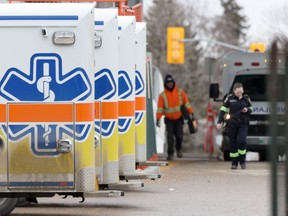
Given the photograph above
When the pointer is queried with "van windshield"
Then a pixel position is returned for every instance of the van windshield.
(255, 86)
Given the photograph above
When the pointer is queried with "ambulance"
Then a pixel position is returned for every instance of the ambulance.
(106, 96)
(47, 138)
(140, 92)
(132, 102)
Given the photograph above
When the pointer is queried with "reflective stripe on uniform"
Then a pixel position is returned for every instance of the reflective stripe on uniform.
(224, 109)
(251, 108)
(242, 152)
(179, 94)
(187, 105)
(168, 109)
(160, 110)
(172, 110)
(234, 155)
(165, 100)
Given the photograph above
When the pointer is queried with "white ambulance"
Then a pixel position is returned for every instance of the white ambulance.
(252, 70)
(46, 102)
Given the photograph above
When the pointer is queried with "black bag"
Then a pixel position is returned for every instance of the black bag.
(192, 123)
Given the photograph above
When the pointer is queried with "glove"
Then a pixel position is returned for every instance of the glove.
(158, 123)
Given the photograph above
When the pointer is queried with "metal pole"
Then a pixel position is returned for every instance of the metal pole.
(187, 40)
(272, 91)
(286, 127)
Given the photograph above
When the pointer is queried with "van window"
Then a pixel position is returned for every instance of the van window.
(256, 86)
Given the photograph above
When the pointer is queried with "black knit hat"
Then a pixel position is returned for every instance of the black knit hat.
(168, 78)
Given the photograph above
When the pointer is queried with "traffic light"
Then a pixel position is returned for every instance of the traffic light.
(257, 47)
(175, 47)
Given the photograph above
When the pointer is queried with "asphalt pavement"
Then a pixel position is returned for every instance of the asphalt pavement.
(195, 185)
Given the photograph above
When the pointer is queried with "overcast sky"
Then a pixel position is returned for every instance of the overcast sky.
(261, 14)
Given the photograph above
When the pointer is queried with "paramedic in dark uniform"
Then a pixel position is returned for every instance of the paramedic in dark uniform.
(236, 110)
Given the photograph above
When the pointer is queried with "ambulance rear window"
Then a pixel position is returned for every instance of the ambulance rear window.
(256, 86)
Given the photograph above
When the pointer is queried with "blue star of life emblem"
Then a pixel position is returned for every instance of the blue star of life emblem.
(139, 88)
(46, 82)
(105, 89)
(125, 90)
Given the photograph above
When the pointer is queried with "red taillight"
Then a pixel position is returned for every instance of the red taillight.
(255, 64)
(238, 64)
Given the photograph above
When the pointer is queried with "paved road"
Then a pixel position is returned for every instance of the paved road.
(192, 186)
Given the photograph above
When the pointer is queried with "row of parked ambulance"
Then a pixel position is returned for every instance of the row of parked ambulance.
(72, 101)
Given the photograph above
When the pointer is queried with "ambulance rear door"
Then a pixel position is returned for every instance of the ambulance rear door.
(46, 73)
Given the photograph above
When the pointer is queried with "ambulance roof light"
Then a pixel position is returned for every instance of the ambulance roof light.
(238, 64)
(64, 38)
(98, 40)
(255, 64)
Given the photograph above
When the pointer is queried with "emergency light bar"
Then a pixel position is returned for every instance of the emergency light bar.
(238, 64)
(255, 64)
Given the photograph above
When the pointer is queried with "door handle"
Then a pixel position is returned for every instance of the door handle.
(64, 146)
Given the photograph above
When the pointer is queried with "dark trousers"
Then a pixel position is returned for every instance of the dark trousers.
(174, 128)
(237, 134)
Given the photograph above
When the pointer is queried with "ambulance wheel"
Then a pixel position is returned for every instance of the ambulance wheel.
(24, 201)
(7, 205)
(226, 155)
(263, 156)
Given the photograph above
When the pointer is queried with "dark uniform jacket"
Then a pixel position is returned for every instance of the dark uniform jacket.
(233, 105)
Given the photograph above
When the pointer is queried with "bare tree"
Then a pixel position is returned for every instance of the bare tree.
(231, 26)
(276, 25)
(190, 76)
(171, 13)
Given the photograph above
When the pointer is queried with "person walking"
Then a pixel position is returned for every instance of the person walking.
(169, 105)
(235, 111)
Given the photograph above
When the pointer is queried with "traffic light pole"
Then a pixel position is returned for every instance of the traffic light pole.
(188, 40)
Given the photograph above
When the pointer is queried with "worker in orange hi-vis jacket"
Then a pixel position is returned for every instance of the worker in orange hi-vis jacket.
(169, 105)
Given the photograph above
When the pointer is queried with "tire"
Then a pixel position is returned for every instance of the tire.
(26, 201)
(263, 156)
(226, 155)
(7, 205)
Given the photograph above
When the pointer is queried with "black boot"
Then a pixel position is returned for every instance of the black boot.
(179, 153)
(234, 164)
(170, 157)
(242, 159)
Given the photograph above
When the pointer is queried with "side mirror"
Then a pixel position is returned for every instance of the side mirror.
(214, 90)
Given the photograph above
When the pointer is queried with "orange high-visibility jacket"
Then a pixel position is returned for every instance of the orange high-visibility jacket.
(169, 103)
